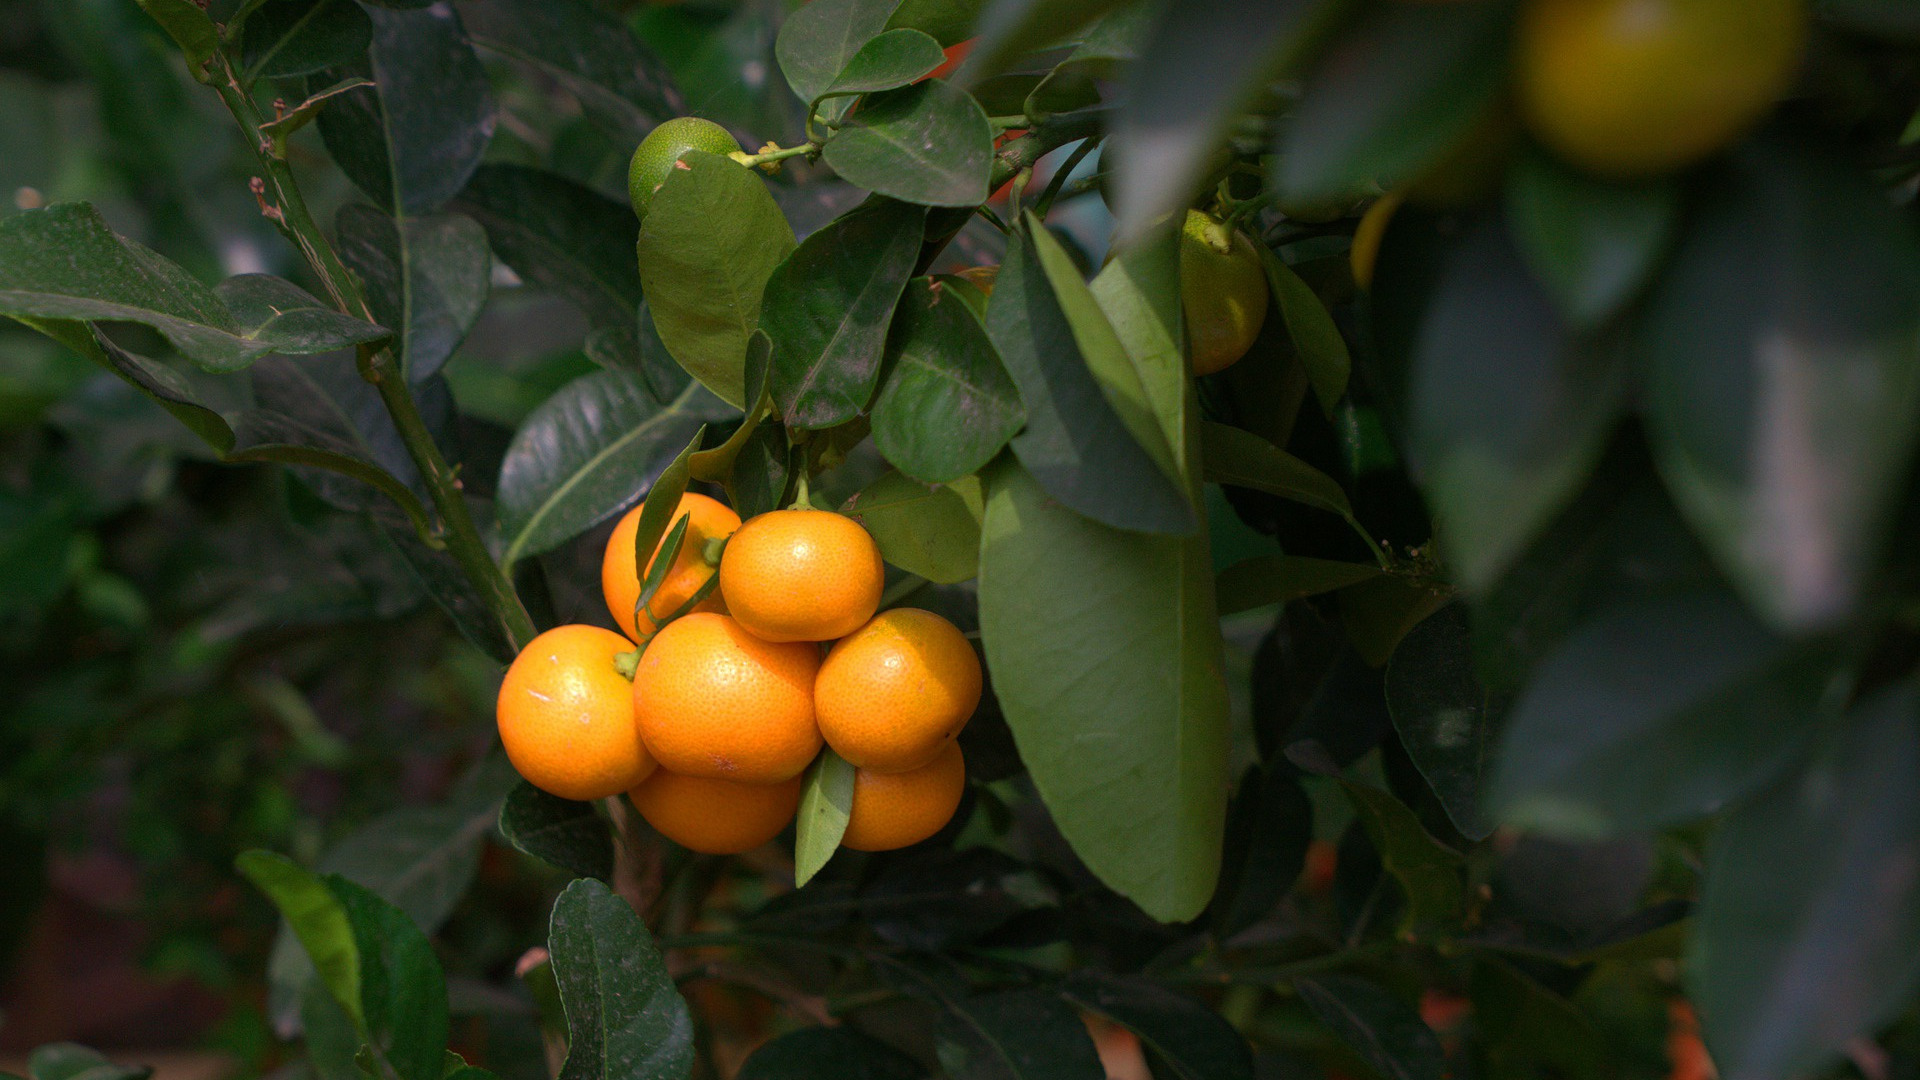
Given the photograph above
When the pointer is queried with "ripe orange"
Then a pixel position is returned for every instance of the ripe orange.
(620, 577)
(802, 575)
(566, 715)
(1223, 291)
(718, 817)
(892, 693)
(1629, 88)
(892, 810)
(661, 150)
(718, 702)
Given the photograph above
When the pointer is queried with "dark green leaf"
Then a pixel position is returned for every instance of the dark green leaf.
(1809, 928)
(187, 24)
(892, 59)
(1138, 297)
(1009, 29)
(709, 243)
(948, 21)
(286, 38)
(1591, 243)
(1427, 870)
(827, 309)
(1390, 97)
(564, 833)
(1784, 377)
(1269, 826)
(1380, 611)
(1066, 664)
(411, 144)
(947, 405)
(403, 995)
(760, 474)
(156, 380)
(1534, 1031)
(1016, 1035)
(818, 40)
(922, 529)
(825, 801)
(1316, 339)
(1692, 682)
(1191, 1040)
(426, 277)
(317, 919)
(838, 1053)
(1386, 1032)
(1243, 459)
(1446, 719)
(285, 317)
(660, 517)
(422, 858)
(625, 1020)
(71, 1061)
(1277, 579)
(928, 144)
(618, 81)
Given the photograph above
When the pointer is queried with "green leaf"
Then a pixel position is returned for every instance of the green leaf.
(318, 921)
(1269, 827)
(422, 859)
(1446, 719)
(156, 380)
(924, 530)
(285, 38)
(1130, 757)
(1391, 96)
(427, 277)
(836, 1053)
(299, 116)
(1783, 377)
(1278, 579)
(561, 832)
(1243, 459)
(1533, 1031)
(1386, 1032)
(1009, 29)
(403, 995)
(1189, 1039)
(707, 247)
(927, 144)
(657, 513)
(1378, 612)
(1427, 870)
(586, 454)
(71, 1061)
(827, 308)
(1015, 1035)
(563, 238)
(1138, 292)
(290, 320)
(817, 41)
(941, 365)
(891, 59)
(625, 1019)
(189, 27)
(1074, 444)
(1809, 922)
(1693, 682)
(1508, 415)
(948, 21)
(620, 84)
(825, 801)
(1316, 339)
(1591, 243)
(64, 263)
(761, 472)
(412, 144)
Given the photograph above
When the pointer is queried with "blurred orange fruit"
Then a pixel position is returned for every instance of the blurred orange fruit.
(801, 575)
(1223, 291)
(718, 817)
(893, 810)
(566, 715)
(891, 694)
(620, 575)
(715, 701)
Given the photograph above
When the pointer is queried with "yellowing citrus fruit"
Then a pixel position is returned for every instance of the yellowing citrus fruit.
(1629, 88)
(715, 701)
(1368, 234)
(566, 715)
(1223, 291)
(661, 149)
(718, 817)
(893, 810)
(891, 694)
(620, 577)
(802, 575)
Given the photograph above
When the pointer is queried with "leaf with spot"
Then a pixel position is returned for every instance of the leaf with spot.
(625, 1019)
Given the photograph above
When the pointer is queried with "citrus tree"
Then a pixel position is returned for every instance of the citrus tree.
(1308, 538)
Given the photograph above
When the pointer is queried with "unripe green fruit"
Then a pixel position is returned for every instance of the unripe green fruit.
(1223, 290)
(662, 148)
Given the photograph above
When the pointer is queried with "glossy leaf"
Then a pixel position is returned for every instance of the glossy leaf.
(1427, 870)
(827, 308)
(403, 995)
(1277, 579)
(1242, 459)
(285, 38)
(818, 41)
(1317, 341)
(1692, 681)
(1447, 720)
(927, 144)
(891, 59)
(709, 243)
(318, 921)
(922, 529)
(1592, 244)
(1015, 1035)
(1784, 377)
(946, 405)
(290, 320)
(825, 800)
(561, 832)
(823, 1053)
(618, 81)
(1190, 1039)
(625, 1019)
(1386, 1032)
(1065, 660)
(1809, 923)
(426, 277)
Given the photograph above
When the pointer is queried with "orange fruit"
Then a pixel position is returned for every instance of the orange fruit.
(1631, 88)
(566, 715)
(1368, 234)
(1223, 290)
(718, 817)
(620, 576)
(802, 575)
(893, 810)
(715, 701)
(892, 693)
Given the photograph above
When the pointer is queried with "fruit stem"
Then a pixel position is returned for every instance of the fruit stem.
(710, 551)
(627, 663)
(767, 160)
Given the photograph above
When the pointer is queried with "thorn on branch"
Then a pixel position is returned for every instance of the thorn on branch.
(267, 210)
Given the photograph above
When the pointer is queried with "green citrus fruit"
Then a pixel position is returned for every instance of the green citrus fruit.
(1223, 290)
(662, 148)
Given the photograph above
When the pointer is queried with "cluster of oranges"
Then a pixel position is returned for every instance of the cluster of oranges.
(729, 703)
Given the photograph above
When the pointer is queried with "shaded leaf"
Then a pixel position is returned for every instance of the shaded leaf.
(1591, 243)
(318, 921)
(1240, 458)
(290, 320)
(426, 277)
(891, 59)
(818, 41)
(561, 237)
(284, 38)
(71, 1061)
(947, 405)
(561, 832)
(1191, 1040)
(1269, 826)
(1446, 719)
(1277, 579)
(1427, 870)
(625, 1019)
(1317, 342)
(1008, 29)
(1015, 1035)
(1386, 1032)
(922, 529)
(822, 1053)
(927, 144)
(825, 800)
(618, 81)
(403, 995)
